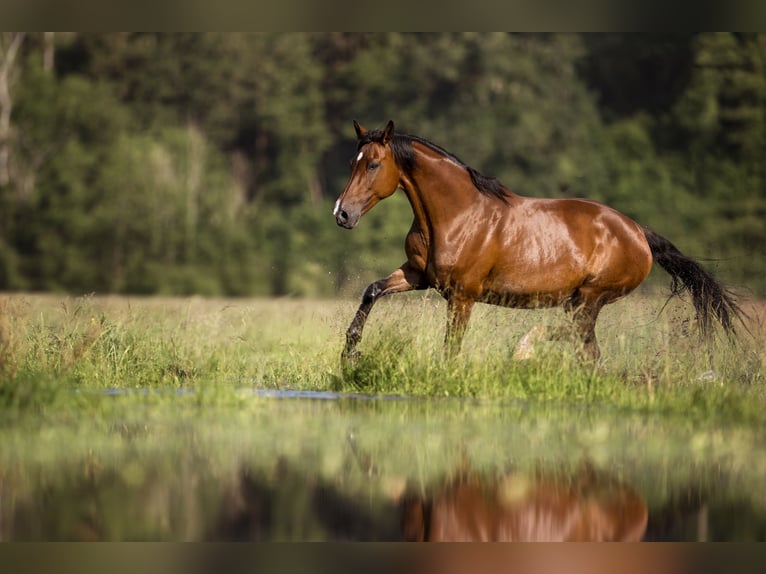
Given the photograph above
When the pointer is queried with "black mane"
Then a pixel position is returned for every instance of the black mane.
(404, 155)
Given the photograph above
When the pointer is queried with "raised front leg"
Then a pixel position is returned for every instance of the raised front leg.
(406, 278)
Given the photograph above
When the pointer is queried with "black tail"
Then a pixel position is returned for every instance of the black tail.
(709, 296)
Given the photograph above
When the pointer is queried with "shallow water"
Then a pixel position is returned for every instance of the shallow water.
(300, 465)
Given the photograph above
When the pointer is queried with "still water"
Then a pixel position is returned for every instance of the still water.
(295, 466)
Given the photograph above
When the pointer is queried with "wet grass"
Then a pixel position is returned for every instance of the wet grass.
(651, 360)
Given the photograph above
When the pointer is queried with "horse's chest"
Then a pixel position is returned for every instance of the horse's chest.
(447, 273)
(452, 260)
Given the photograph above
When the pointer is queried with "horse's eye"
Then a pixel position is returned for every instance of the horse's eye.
(373, 165)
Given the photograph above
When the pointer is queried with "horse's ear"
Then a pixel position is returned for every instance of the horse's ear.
(360, 131)
(388, 133)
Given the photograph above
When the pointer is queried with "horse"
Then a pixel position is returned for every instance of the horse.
(474, 240)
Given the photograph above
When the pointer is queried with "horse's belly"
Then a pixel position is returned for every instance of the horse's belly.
(533, 286)
(526, 299)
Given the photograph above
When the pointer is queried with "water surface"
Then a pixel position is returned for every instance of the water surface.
(298, 465)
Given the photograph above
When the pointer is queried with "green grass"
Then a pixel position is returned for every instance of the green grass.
(651, 361)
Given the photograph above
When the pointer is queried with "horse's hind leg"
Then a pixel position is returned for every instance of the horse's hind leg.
(584, 318)
(525, 349)
(583, 331)
(406, 278)
(540, 333)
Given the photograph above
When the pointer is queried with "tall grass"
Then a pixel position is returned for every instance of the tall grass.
(650, 359)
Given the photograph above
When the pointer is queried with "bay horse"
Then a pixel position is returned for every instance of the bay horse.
(474, 240)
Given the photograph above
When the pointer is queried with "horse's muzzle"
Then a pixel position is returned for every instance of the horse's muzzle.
(345, 219)
(342, 219)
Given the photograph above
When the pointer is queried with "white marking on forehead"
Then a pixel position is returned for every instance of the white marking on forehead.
(359, 156)
(335, 209)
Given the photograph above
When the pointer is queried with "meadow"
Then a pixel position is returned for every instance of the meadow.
(652, 356)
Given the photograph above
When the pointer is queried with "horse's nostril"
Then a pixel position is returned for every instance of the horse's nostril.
(344, 219)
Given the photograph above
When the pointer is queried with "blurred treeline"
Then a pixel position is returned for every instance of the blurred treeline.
(209, 163)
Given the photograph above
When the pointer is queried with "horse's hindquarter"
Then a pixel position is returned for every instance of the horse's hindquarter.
(549, 250)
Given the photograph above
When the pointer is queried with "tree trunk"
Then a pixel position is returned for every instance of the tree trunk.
(7, 59)
(49, 51)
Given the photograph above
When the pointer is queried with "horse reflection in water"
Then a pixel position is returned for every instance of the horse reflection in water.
(588, 506)
(545, 505)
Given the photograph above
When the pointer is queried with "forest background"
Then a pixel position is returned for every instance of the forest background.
(208, 163)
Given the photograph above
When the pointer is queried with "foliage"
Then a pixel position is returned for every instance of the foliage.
(208, 163)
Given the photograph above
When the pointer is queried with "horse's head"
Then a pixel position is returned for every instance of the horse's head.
(374, 175)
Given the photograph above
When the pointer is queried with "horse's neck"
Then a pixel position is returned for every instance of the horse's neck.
(439, 191)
